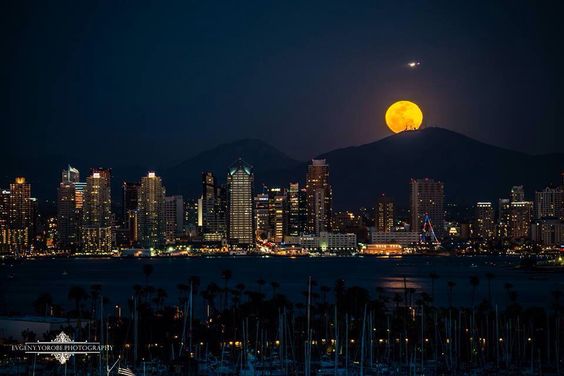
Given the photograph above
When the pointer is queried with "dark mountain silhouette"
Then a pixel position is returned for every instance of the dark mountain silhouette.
(266, 160)
(471, 170)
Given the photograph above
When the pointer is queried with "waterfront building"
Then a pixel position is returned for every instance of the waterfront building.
(297, 210)
(329, 242)
(262, 216)
(213, 208)
(68, 216)
(382, 249)
(4, 221)
(174, 218)
(20, 217)
(96, 233)
(549, 203)
(404, 238)
(427, 199)
(240, 182)
(151, 212)
(548, 231)
(484, 221)
(319, 197)
(520, 219)
(384, 214)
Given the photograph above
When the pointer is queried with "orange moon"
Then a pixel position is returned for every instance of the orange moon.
(404, 116)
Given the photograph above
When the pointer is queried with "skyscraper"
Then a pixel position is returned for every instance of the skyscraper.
(503, 218)
(262, 216)
(485, 221)
(20, 221)
(151, 214)
(67, 213)
(240, 200)
(96, 234)
(517, 193)
(549, 203)
(319, 197)
(174, 217)
(4, 221)
(384, 214)
(278, 214)
(520, 219)
(297, 210)
(213, 208)
(427, 198)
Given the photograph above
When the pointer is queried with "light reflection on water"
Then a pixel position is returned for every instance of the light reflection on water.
(117, 276)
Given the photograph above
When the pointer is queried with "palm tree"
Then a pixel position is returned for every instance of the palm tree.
(261, 282)
(42, 303)
(226, 275)
(434, 276)
(450, 285)
(474, 282)
(77, 294)
(490, 276)
(275, 285)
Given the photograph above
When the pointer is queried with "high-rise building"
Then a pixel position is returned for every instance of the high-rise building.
(70, 175)
(240, 198)
(297, 210)
(517, 193)
(4, 221)
(549, 203)
(278, 214)
(151, 212)
(213, 208)
(96, 234)
(503, 218)
(130, 192)
(427, 199)
(262, 216)
(174, 218)
(384, 214)
(68, 216)
(319, 197)
(191, 218)
(20, 216)
(520, 219)
(548, 231)
(485, 220)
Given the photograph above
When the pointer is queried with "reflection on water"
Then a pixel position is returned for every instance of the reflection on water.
(22, 282)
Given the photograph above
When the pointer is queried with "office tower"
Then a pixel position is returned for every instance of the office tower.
(548, 231)
(79, 188)
(485, 221)
(191, 218)
(427, 199)
(4, 221)
(384, 214)
(297, 210)
(262, 216)
(151, 215)
(68, 238)
(278, 217)
(240, 199)
(318, 197)
(96, 234)
(130, 191)
(70, 175)
(549, 203)
(20, 216)
(520, 219)
(174, 218)
(503, 218)
(213, 208)
(517, 193)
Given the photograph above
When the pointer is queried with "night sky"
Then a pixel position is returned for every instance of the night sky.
(140, 81)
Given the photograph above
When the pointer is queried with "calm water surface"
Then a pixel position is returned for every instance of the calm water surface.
(22, 282)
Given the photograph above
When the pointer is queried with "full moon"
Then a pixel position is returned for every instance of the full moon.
(404, 116)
